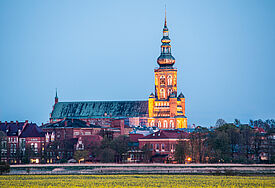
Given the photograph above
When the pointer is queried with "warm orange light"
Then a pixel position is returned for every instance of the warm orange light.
(189, 159)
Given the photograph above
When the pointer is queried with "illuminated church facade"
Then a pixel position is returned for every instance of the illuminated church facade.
(165, 109)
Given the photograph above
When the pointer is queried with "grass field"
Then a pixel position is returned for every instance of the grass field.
(135, 181)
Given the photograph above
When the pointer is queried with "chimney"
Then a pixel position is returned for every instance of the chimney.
(26, 122)
(11, 122)
(16, 122)
(6, 122)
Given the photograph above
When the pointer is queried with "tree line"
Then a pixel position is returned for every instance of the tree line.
(230, 143)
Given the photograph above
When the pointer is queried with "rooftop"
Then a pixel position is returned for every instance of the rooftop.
(99, 109)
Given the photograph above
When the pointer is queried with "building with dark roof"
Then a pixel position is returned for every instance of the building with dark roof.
(22, 138)
(64, 137)
(101, 112)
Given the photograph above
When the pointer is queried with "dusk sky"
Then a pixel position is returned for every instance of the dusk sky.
(107, 50)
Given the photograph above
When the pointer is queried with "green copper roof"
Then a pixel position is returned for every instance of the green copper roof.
(99, 109)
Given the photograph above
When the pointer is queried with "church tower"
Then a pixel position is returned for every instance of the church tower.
(165, 108)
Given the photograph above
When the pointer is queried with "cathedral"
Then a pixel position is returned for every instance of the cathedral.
(165, 109)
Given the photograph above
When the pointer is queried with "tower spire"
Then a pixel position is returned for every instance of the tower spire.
(56, 93)
(56, 97)
(166, 60)
(165, 23)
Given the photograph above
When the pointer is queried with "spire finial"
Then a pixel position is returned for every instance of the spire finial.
(165, 23)
(56, 93)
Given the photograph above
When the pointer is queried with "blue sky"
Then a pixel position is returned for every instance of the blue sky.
(107, 50)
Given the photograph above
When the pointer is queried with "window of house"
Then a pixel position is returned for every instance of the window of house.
(162, 147)
(52, 137)
(157, 147)
(11, 149)
(76, 133)
(80, 146)
(47, 137)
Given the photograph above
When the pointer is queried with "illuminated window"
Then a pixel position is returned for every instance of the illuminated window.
(165, 124)
(152, 123)
(159, 124)
(162, 93)
(171, 124)
(179, 123)
(169, 80)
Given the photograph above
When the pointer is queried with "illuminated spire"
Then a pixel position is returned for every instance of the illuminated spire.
(166, 60)
(165, 23)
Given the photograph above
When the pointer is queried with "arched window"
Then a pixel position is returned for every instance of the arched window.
(162, 93)
(162, 80)
(165, 124)
(170, 91)
(169, 80)
(159, 124)
(152, 123)
(179, 124)
(172, 124)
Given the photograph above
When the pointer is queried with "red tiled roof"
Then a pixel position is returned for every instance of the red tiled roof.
(135, 137)
(261, 130)
(167, 134)
(91, 139)
(32, 130)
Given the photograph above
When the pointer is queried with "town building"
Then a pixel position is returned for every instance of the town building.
(63, 138)
(21, 142)
(163, 143)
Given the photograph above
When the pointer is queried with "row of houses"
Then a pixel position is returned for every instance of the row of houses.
(57, 142)
(25, 142)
